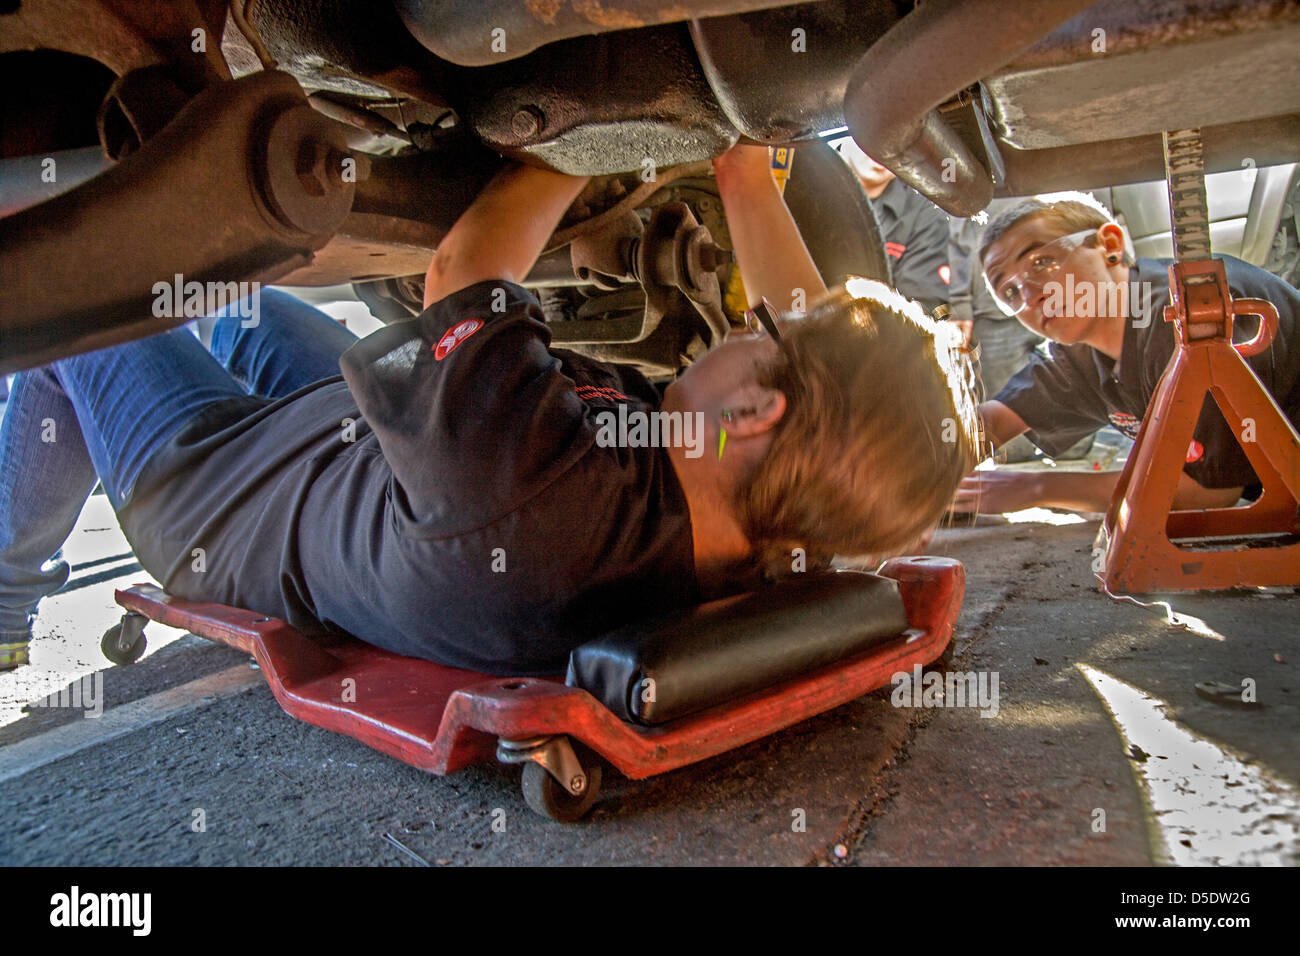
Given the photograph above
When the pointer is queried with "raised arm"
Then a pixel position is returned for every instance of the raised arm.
(503, 231)
(772, 256)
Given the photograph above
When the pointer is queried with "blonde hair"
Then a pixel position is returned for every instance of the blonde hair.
(880, 426)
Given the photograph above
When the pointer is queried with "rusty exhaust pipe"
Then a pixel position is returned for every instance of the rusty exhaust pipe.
(937, 50)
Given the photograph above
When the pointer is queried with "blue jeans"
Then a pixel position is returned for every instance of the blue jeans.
(105, 413)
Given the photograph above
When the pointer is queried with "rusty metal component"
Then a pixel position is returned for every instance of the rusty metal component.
(553, 269)
(1135, 69)
(428, 187)
(233, 174)
(365, 120)
(352, 47)
(48, 101)
(1139, 552)
(633, 200)
(1048, 103)
(528, 123)
(400, 212)
(781, 74)
(617, 321)
(671, 255)
(490, 31)
(301, 170)
(125, 35)
(1139, 158)
(674, 260)
(940, 48)
(250, 34)
(633, 100)
(602, 256)
(392, 300)
(368, 247)
(837, 223)
(138, 105)
(669, 259)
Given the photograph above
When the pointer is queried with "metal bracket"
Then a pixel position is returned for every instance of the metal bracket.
(1201, 303)
(677, 257)
(556, 756)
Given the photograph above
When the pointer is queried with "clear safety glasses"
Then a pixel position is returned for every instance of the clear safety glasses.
(1044, 262)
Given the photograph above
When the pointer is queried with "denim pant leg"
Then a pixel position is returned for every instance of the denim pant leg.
(45, 478)
(132, 398)
(291, 344)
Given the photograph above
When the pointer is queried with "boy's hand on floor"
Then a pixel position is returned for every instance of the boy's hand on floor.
(997, 492)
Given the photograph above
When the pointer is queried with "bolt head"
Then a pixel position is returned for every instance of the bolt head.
(578, 783)
(527, 122)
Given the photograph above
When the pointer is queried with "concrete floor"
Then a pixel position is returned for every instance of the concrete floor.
(1101, 752)
(1084, 679)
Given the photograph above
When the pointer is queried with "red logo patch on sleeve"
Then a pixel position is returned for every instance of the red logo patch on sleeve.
(1126, 423)
(451, 341)
(590, 393)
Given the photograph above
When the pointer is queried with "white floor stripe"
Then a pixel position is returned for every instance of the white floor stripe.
(27, 755)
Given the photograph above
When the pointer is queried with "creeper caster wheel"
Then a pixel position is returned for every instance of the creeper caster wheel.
(124, 642)
(544, 795)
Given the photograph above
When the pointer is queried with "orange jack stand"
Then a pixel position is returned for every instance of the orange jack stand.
(1138, 535)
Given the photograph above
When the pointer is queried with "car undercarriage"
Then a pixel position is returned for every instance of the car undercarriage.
(318, 142)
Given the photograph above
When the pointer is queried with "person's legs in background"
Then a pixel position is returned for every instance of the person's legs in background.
(1005, 347)
(45, 478)
(130, 399)
(103, 413)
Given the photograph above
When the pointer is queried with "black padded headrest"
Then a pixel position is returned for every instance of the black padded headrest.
(656, 671)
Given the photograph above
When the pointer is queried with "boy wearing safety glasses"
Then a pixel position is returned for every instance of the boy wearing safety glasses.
(1059, 265)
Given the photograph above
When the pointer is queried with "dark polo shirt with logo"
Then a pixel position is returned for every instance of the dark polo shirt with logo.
(446, 498)
(916, 240)
(1074, 389)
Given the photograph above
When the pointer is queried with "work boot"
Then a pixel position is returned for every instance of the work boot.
(13, 654)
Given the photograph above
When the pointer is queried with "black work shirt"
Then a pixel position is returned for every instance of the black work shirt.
(445, 499)
(915, 231)
(1075, 389)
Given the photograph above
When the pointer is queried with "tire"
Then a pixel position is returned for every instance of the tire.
(834, 216)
